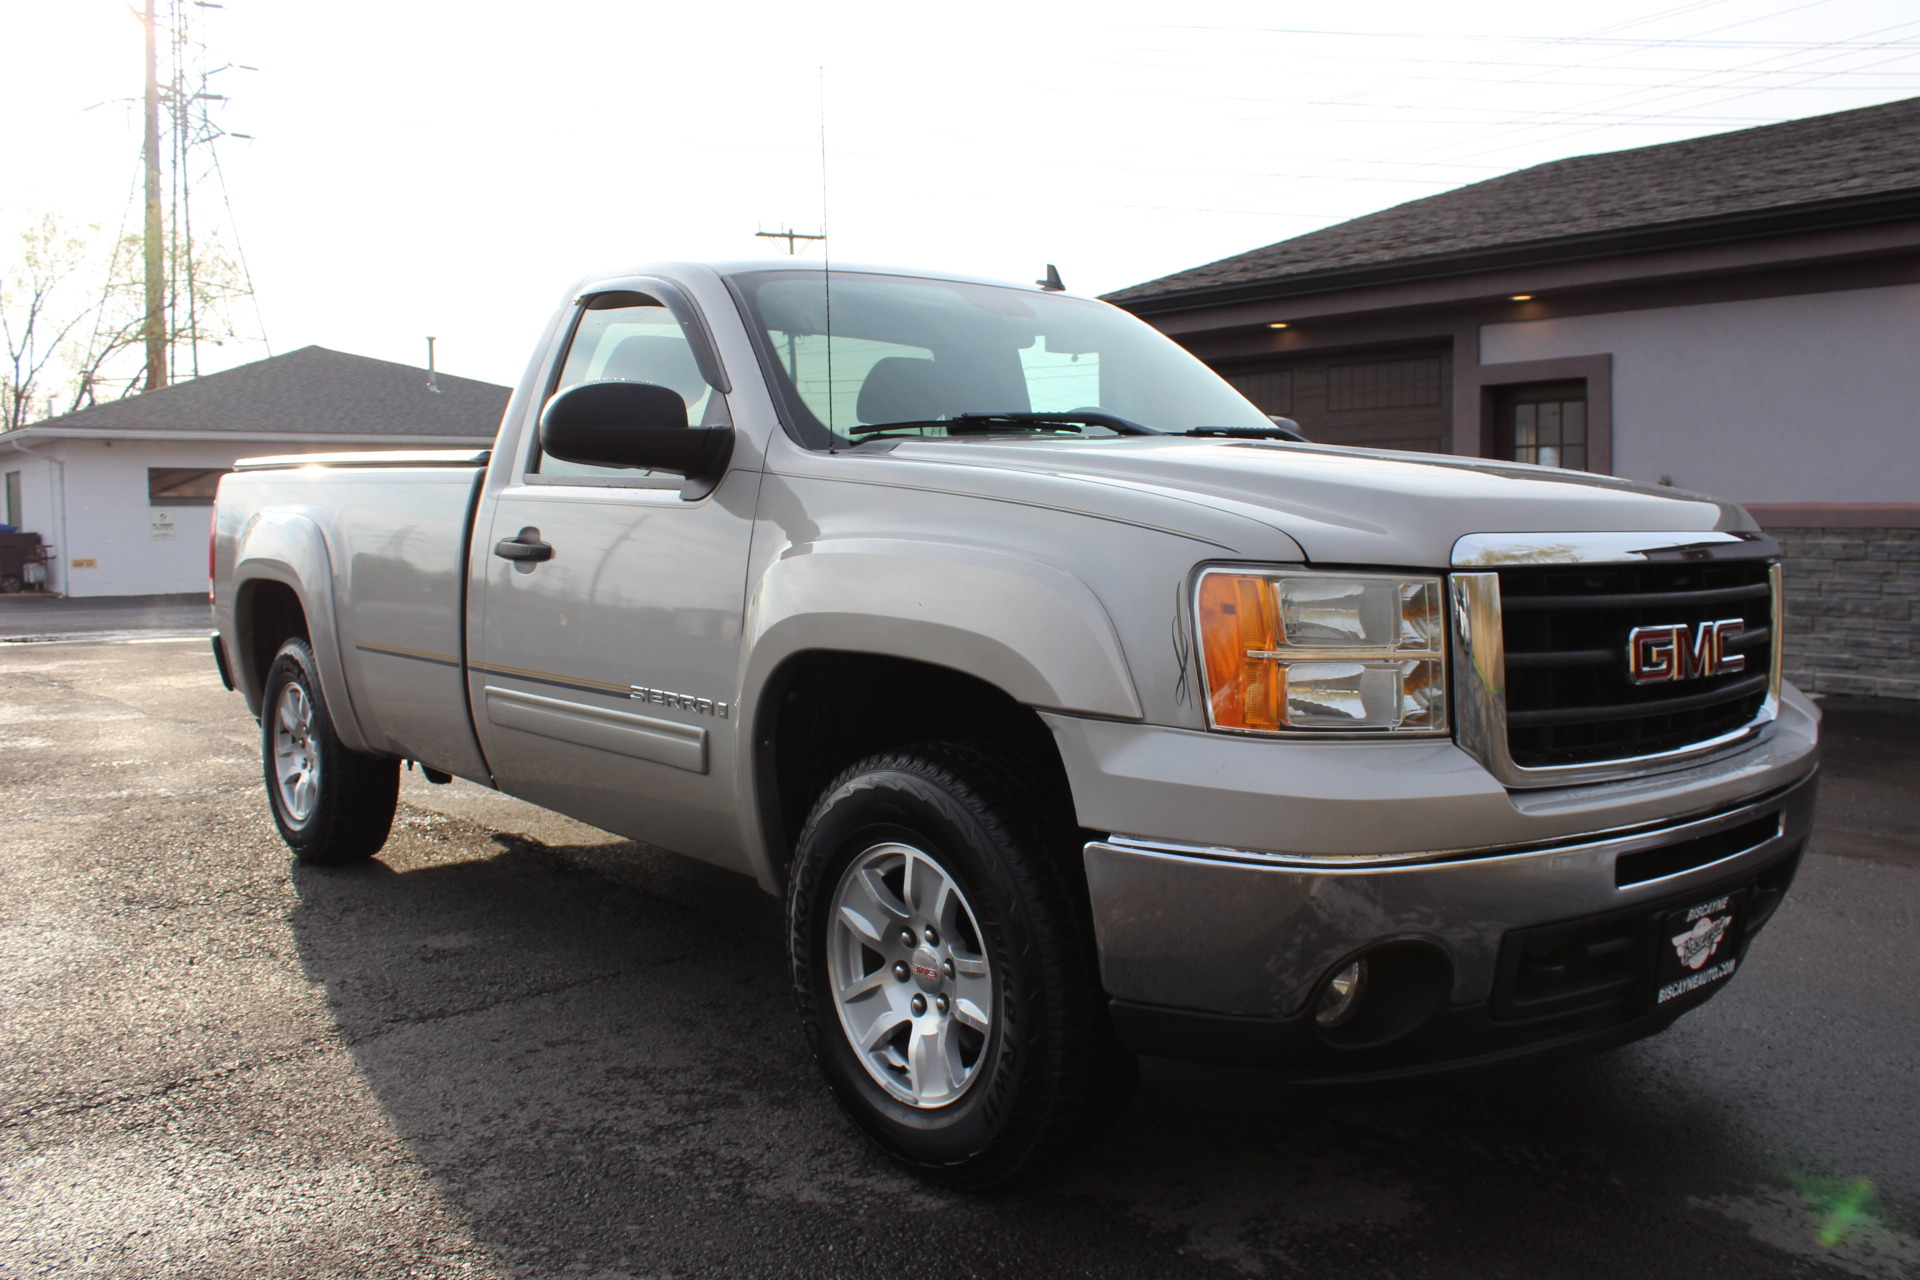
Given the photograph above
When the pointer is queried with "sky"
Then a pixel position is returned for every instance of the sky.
(416, 168)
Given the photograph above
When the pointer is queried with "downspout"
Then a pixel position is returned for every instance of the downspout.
(61, 495)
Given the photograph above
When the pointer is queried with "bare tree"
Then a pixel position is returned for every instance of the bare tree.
(115, 331)
(72, 312)
(208, 286)
(38, 313)
(76, 313)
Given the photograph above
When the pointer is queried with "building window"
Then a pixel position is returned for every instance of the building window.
(14, 517)
(182, 486)
(1544, 423)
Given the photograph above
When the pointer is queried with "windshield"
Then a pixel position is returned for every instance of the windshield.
(921, 353)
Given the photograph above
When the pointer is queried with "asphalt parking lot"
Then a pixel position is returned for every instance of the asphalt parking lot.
(517, 1046)
(28, 616)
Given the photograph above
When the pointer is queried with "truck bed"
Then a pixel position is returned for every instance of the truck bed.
(396, 527)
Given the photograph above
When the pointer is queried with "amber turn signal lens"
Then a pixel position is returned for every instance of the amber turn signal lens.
(1237, 614)
(1302, 650)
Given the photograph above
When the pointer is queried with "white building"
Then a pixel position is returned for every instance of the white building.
(123, 491)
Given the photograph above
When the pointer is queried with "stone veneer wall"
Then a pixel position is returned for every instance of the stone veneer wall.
(1853, 610)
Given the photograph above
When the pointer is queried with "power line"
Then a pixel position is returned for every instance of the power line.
(1424, 36)
(1626, 105)
(239, 248)
(1583, 120)
(1678, 91)
(1558, 82)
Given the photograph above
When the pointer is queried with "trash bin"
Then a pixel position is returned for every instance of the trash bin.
(17, 551)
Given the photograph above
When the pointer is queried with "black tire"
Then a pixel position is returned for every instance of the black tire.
(1049, 1075)
(346, 810)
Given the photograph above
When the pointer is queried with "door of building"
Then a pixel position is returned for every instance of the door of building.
(1384, 398)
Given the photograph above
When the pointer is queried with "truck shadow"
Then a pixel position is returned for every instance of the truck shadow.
(593, 1052)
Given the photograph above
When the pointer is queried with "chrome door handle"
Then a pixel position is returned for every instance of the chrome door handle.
(524, 547)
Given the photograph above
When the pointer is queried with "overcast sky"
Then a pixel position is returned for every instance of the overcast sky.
(422, 168)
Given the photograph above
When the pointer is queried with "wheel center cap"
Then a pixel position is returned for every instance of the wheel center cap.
(926, 969)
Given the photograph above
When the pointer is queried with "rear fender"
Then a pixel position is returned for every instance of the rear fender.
(289, 547)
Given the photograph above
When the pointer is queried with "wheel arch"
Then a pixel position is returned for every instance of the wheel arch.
(283, 587)
(821, 710)
(871, 643)
(1020, 624)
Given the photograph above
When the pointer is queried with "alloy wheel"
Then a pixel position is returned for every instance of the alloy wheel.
(910, 976)
(296, 761)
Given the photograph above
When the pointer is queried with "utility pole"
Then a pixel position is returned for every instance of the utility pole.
(788, 236)
(154, 331)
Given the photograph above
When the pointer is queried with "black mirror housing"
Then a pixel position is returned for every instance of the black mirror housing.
(632, 424)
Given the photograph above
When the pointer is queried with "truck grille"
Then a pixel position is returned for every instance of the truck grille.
(1565, 628)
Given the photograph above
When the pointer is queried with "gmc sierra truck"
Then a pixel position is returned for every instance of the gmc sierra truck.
(1091, 725)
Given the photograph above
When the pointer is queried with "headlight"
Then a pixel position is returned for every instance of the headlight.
(1300, 651)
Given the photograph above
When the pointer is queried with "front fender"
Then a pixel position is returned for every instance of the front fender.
(1026, 627)
(290, 547)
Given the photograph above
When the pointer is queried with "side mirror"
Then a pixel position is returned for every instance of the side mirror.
(632, 424)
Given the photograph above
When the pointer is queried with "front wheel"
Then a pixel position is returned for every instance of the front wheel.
(332, 805)
(945, 970)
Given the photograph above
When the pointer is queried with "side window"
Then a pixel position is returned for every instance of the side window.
(630, 337)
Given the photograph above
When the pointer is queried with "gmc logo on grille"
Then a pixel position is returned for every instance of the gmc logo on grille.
(1682, 652)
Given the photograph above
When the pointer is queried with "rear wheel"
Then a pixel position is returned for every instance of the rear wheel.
(945, 970)
(332, 805)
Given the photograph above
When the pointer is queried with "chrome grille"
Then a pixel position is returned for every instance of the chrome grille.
(1543, 690)
(1565, 632)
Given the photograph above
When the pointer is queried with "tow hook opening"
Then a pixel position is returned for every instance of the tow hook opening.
(1383, 994)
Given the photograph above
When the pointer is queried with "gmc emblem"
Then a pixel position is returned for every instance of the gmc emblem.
(1681, 652)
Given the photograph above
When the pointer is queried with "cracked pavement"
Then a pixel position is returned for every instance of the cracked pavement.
(518, 1046)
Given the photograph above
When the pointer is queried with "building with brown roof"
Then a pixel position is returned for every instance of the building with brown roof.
(1736, 314)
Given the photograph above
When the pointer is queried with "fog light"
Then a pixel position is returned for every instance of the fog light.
(1342, 995)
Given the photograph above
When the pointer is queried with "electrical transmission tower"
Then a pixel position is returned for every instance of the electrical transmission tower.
(179, 289)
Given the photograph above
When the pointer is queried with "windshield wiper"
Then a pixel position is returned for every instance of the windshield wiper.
(984, 423)
(1248, 433)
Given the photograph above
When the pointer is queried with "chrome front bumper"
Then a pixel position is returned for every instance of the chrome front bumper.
(1250, 871)
(1253, 936)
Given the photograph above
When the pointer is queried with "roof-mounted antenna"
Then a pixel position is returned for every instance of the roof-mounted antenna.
(826, 257)
(1052, 283)
(433, 379)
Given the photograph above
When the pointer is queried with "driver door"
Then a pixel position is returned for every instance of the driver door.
(605, 676)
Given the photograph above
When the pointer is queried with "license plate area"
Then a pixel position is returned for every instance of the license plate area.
(1626, 961)
(1698, 946)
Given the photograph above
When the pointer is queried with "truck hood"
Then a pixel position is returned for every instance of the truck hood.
(1352, 506)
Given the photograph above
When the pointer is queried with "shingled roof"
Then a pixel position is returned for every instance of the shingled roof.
(309, 391)
(1833, 170)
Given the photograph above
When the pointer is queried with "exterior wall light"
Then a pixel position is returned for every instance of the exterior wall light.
(1521, 297)
(1278, 324)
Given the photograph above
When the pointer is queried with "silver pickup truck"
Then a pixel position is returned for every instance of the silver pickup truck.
(1090, 726)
